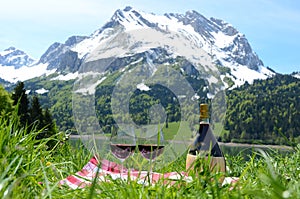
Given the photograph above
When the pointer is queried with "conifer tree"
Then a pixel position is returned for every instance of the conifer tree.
(50, 128)
(36, 113)
(19, 97)
(42, 119)
(49, 123)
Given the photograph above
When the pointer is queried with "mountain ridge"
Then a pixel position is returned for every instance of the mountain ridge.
(226, 46)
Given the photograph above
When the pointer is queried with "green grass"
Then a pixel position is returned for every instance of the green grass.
(30, 170)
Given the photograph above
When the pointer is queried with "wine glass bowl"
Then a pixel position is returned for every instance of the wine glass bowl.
(150, 151)
(151, 147)
(122, 146)
(122, 151)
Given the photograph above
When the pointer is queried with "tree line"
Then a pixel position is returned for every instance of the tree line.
(266, 111)
(31, 117)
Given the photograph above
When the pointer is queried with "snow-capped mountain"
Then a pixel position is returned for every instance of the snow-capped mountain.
(16, 65)
(219, 41)
(15, 57)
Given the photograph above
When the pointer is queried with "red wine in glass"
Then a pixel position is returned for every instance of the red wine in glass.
(150, 148)
(122, 151)
(151, 151)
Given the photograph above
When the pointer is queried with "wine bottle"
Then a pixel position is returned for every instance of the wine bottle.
(205, 145)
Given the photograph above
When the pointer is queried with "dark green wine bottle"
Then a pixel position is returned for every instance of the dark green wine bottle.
(205, 144)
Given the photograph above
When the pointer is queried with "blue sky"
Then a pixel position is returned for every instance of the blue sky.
(271, 26)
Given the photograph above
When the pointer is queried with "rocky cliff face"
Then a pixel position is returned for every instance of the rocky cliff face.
(61, 56)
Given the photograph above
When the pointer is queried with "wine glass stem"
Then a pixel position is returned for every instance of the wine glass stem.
(150, 171)
(122, 167)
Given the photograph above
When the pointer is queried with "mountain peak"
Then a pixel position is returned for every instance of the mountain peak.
(224, 44)
(10, 49)
(127, 8)
(192, 14)
(130, 19)
(15, 57)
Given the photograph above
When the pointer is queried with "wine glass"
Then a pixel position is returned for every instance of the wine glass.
(122, 145)
(152, 147)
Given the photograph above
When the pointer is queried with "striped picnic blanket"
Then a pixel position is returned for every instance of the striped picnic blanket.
(110, 171)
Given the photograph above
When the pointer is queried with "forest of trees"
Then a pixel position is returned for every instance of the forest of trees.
(266, 111)
(31, 117)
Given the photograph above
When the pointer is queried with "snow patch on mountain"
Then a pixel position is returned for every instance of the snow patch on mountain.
(88, 45)
(68, 76)
(88, 83)
(221, 40)
(11, 74)
(6, 52)
(41, 91)
(244, 74)
(296, 74)
(240, 74)
(143, 87)
(132, 19)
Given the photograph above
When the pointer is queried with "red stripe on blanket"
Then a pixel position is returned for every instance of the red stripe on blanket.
(91, 169)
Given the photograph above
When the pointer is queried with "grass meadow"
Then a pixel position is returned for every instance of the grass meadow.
(28, 169)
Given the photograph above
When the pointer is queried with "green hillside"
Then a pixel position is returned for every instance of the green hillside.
(266, 111)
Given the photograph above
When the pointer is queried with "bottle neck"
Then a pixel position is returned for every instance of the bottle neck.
(204, 113)
(204, 120)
